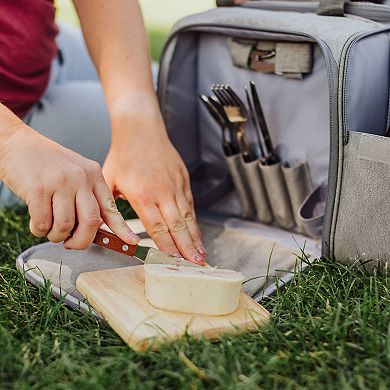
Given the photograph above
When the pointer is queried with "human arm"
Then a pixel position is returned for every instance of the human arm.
(142, 164)
(58, 185)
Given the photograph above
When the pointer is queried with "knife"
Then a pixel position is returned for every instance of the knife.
(148, 255)
(256, 125)
(271, 155)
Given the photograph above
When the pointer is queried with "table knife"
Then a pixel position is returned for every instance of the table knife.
(271, 155)
(253, 117)
(148, 255)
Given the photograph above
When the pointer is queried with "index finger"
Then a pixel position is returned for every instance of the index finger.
(110, 213)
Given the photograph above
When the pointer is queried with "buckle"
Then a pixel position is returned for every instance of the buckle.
(257, 60)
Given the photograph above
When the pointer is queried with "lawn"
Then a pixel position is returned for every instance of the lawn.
(330, 328)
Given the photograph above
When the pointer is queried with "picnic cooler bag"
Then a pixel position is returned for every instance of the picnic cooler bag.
(325, 96)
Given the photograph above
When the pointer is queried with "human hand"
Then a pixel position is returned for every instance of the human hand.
(148, 172)
(60, 187)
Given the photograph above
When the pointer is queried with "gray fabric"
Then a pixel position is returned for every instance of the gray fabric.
(293, 58)
(289, 59)
(229, 247)
(209, 191)
(252, 255)
(278, 195)
(299, 186)
(374, 149)
(362, 9)
(240, 51)
(288, 123)
(367, 85)
(312, 212)
(185, 101)
(363, 225)
(359, 104)
(36, 278)
(62, 267)
(241, 184)
(258, 191)
(335, 32)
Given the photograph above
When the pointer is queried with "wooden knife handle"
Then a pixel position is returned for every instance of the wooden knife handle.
(112, 241)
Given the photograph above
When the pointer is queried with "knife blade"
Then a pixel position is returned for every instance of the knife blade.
(256, 125)
(271, 155)
(148, 255)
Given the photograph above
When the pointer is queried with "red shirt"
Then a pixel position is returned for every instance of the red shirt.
(27, 48)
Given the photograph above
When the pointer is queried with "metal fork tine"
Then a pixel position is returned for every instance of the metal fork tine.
(236, 99)
(222, 95)
(215, 90)
(227, 95)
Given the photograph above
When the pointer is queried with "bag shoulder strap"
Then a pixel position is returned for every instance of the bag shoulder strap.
(325, 8)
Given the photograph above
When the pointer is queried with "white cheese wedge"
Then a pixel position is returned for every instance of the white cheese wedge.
(200, 290)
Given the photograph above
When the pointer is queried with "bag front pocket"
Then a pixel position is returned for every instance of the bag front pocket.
(237, 172)
(299, 186)
(277, 192)
(362, 232)
(258, 191)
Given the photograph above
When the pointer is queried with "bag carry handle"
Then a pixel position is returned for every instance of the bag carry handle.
(325, 7)
(331, 7)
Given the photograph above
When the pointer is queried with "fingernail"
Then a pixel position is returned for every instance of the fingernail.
(197, 258)
(202, 251)
(134, 237)
(177, 255)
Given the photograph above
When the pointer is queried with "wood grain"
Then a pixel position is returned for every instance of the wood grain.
(112, 241)
(118, 296)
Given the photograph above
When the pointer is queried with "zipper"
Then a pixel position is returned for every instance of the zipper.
(375, 12)
(333, 74)
(343, 131)
(344, 62)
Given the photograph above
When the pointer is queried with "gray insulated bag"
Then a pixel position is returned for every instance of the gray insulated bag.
(322, 75)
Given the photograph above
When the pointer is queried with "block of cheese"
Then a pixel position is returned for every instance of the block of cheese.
(197, 290)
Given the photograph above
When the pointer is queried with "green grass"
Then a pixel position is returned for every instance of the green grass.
(330, 329)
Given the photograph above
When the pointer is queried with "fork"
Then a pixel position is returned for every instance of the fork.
(221, 119)
(236, 113)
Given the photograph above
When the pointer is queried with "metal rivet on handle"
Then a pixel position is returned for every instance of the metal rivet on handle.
(125, 248)
(106, 240)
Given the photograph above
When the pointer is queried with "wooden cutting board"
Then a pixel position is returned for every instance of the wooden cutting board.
(118, 296)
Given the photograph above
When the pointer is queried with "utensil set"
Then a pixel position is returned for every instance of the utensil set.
(231, 114)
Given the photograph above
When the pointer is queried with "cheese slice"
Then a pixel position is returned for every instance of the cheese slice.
(197, 290)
